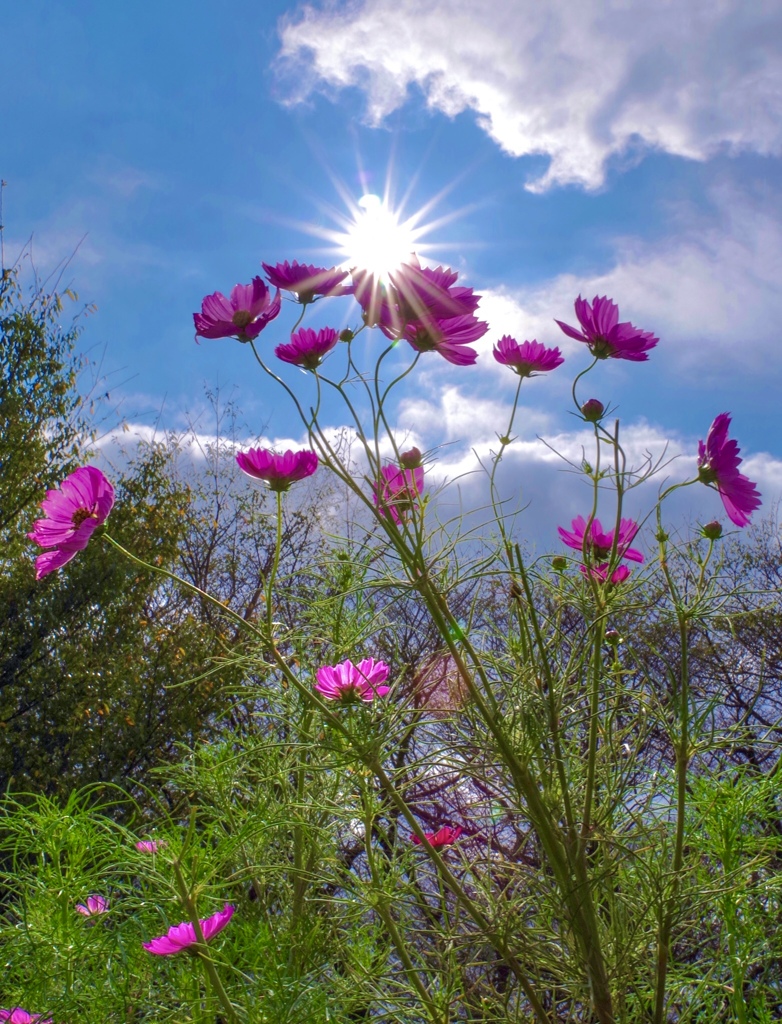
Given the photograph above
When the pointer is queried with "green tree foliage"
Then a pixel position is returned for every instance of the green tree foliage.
(41, 430)
(87, 655)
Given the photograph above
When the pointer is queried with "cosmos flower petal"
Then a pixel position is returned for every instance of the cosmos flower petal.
(20, 1016)
(347, 681)
(442, 837)
(307, 347)
(73, 513)
(244, 315)
(718, 462)
(605, 336)
(599, 543)
(398, 491)
(278, 471)
(528, 358)
(305, 280)
(180, 936)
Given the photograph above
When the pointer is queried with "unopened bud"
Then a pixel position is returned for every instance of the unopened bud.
(592, 410)
(346, 335)
(411, 459)
(558, 563)
(712, 530)
(613, 637)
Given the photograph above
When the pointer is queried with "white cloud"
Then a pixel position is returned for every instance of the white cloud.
(579, 81)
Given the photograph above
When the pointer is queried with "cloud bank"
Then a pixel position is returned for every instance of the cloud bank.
(579, 82)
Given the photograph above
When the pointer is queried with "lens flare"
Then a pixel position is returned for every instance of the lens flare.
(377, 240)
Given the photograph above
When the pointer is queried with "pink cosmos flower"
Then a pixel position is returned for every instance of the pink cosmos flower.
(279, 471)
(95, 905)
(243, 315)
(73, 513)
(528, 358)
(20, 1016)
(307, 348)
(306, 281)
(424, 307)
(421, 292)
(180, 936)
(399, 490)
(349, 681)
(150, 845)
(600, 573)
(443, 837)
(600, 542)
(718, 466)
(606, 337)
(448, 338)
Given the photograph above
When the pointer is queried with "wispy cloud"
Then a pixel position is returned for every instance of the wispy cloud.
(578, 82)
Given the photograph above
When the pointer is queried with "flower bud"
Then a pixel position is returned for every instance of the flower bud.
(613, 637)
(558, 563)
(411, 459)
(346, 335)
(712, 530)
(592, 410)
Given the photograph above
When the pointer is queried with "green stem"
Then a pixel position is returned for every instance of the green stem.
(505, 440)
(299, 874)
(578, 378)
(682, 754)
(594, 711)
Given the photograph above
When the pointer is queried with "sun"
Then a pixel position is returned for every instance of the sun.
(373, 232)
(377, 240)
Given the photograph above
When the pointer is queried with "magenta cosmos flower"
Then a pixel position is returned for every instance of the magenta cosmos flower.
(718, 466)
(398, 491)
(528, 358)
(347, 681)
(449, 338)
(306, 281)
(20, 1016)
(150, 845)
(599, 543)
(420, 291)
(95, 905)
(279, 471)
(600, 573)
(412, 292)
(180, 936)
(606, 337)
(443, 837)
(308, 348)
(423, 307)
(243, 315)
(73, 513)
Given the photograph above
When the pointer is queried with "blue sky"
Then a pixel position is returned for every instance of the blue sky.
(628, 148)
